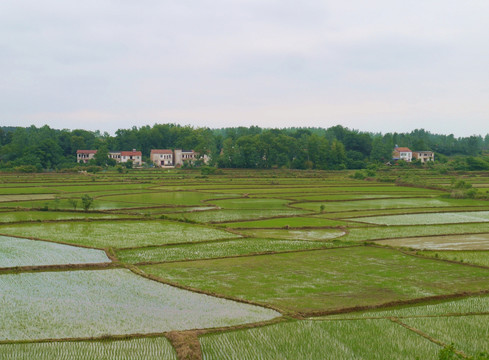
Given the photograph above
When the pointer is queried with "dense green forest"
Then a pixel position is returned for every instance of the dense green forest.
(243, 147)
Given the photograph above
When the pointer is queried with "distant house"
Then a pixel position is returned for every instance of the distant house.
(116, 155)
(134, 156)
(184, 155)
(402, 153)
(85, 156)
(162, 158)
(424, 156)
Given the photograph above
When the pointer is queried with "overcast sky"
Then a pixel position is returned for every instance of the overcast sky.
(377, 65)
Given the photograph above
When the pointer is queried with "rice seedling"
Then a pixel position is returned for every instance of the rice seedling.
(472, 304)
(446, 242)
(117, 234)
(468, 333)
(293, 222)
(137, 349)
(217, 216)
(71, 304)
(22, 252)
(361, 339)
(471, 257)
(429, 219)
(326, 280)
(309, 234)
(389, 232)
(217, 249)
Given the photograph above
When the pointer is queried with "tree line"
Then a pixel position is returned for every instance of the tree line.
(333, 148)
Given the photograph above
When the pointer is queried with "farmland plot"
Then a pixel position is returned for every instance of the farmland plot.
(471, 257)
(468, 305)
(23, 252)
(80, 304)
(6, 198)
(161, 198)
(326, 280)
(428, 219)
(17, 216)
(134, 349)
(320, 340)
(388, 232)
(216, 216)
(293, 222)
(447, 242)
(118, 234)
(309, 234)
(389, 204)
(216, 250)
(254, 203)
(459, 330)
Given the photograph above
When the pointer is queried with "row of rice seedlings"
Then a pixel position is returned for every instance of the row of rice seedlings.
(468, 333)
(445, 242)
(390, 204)
(17, 216)
(251, 203)
(217, 249)
(363, 339)
(429, 219)
(473, 304)
(293, 222)
(118, 234)
(235, 215)
(300, 281)
(373, 233)
(22, 252)
(134, 349)
(307, 234)
(471, 257)
(160, 198)
(386, 212)
(80, 304)
(5, 198)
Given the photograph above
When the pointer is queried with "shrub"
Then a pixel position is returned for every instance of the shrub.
(87, 202)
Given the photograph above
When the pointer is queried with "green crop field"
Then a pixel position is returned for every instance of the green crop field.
(119, 234)
(326, 280)
(244, 264)
(135, 349)
(320, 340)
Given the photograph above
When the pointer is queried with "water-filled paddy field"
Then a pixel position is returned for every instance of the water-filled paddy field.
(246, 264)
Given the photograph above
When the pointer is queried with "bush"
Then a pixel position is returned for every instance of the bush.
(26, 169)
(87, 202)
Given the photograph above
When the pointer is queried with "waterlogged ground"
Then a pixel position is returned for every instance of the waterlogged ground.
(23, 252)
(429, 219)
(306, 243)
(447, 242)
(119, 234)
(71, 304)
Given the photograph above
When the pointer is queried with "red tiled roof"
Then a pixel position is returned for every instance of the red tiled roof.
(131, 153)
(86, 151)
(402, 149)
(157, 151)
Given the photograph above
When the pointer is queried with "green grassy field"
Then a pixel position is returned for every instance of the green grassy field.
(221, 264)
(326, 280)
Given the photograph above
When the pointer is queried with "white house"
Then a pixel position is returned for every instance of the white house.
(424, 156)
(162, 157)
(85, 156)
(402, 153)
(134, 156)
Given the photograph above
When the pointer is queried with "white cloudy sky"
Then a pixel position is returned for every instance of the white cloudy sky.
(377, 65)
